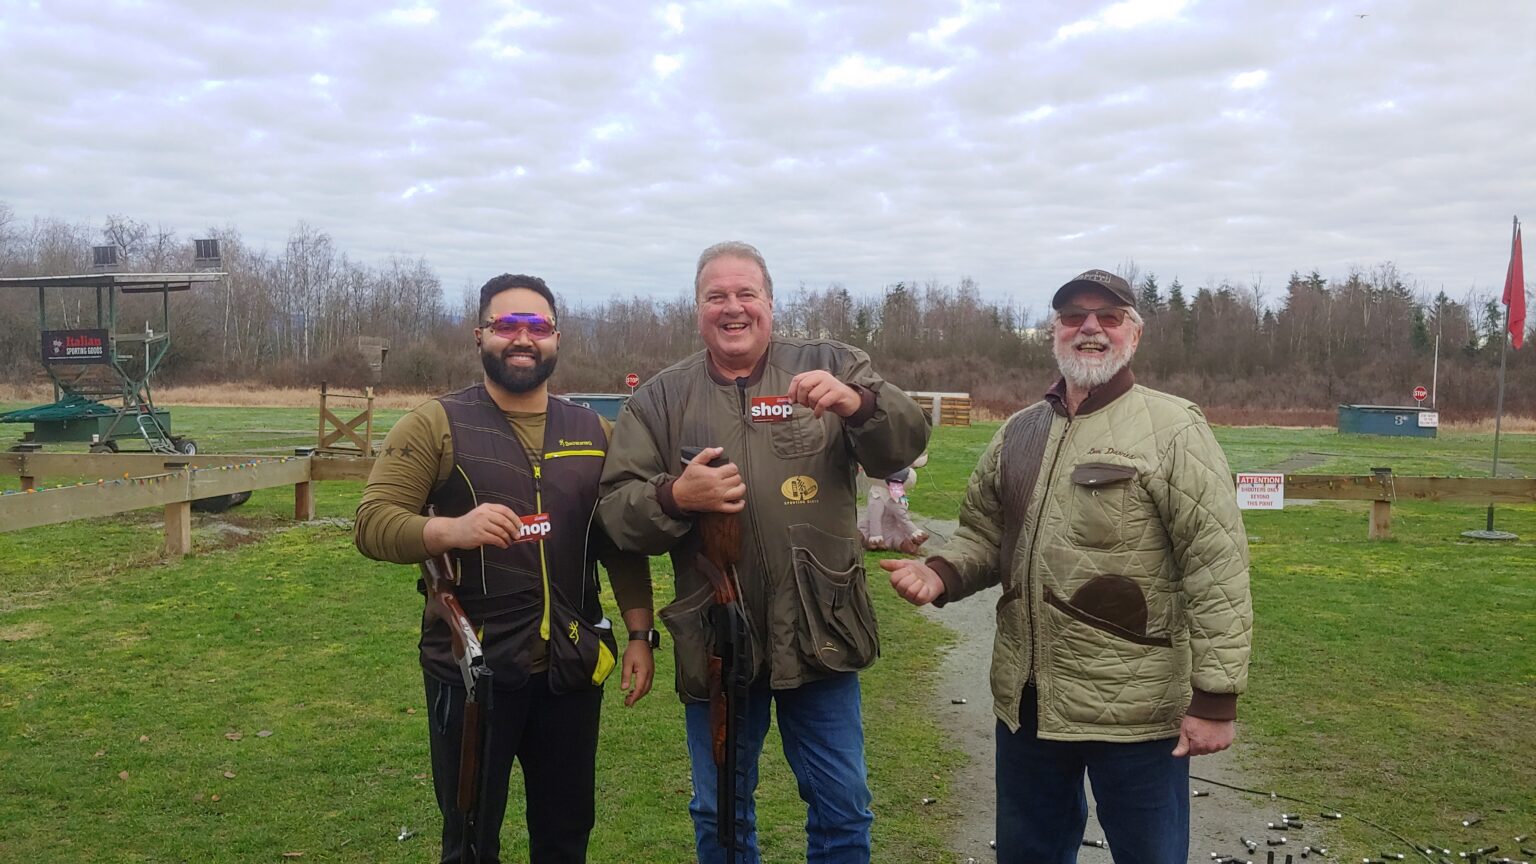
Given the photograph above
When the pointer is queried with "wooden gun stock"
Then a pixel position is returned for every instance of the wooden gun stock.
(442, 604)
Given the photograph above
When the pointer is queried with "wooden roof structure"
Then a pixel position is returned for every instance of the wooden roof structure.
(128, 283)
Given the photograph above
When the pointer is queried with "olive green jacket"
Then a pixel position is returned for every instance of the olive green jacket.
(801, 571)
(1124, 568)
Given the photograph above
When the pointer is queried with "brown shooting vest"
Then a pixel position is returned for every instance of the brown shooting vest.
(519, 595)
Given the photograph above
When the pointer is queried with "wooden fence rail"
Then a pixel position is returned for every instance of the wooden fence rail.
(120, 482)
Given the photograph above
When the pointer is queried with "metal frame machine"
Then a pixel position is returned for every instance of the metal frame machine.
(101, 376)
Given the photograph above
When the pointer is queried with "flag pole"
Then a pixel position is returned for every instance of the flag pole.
(1498, 416)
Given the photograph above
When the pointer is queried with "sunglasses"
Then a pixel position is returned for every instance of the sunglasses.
(1109, 317)
(507, 326)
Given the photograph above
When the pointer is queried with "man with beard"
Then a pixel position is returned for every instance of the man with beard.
(1107, 513)
(512, 475)
(789, 421)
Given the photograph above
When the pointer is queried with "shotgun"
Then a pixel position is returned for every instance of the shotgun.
(729, 671)
(443, 604)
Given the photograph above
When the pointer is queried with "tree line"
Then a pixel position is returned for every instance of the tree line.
(292, 316)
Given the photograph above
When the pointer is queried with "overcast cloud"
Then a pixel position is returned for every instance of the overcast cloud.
(603, 145)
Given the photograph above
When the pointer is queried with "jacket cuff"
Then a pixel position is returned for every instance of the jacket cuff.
(1213, 706)
(667, 501)
(950, 578)
(866, 406)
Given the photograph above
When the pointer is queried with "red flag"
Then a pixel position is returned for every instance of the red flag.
(1514, 293)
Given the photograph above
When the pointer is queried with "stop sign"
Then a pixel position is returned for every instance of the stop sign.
(632, 381)
(1420, 394)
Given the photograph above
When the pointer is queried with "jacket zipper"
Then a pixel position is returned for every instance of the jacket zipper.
(1029, 572)
(538, 506)
(757, 540)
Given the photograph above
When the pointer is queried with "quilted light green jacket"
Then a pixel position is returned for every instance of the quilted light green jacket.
(1125, 567)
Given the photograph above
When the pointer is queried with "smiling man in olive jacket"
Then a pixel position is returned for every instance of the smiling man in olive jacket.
(1107, 513)
(791, 419)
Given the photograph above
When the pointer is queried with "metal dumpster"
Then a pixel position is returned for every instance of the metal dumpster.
(1387, 420)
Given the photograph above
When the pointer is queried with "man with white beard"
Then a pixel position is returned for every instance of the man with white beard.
(1107, 513)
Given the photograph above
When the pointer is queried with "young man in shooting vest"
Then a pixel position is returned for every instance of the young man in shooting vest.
(512, 476)
(787, 420)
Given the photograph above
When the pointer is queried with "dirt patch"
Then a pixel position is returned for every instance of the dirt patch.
(1300, 462)
(19, 632)
(1217, 820)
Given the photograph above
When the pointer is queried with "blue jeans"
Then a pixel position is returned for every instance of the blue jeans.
(1141, 790)
(823, 733)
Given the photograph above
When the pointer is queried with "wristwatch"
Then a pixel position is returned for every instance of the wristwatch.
(651, 637)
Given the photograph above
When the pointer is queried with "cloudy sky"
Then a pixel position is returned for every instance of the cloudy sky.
(603, 145)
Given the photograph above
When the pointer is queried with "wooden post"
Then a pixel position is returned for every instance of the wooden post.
(368, 434)
(320, 434)
(178, 529)
(1381, 520)
(303, 501)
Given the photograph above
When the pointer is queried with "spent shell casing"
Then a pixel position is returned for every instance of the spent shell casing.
(1252, 846)
(1395, 856)
(1296, 823)
(1277, 826)
(930, 800)
(1522, 838)
(1486, 850)
(1470, 821)
(1333, 815)
(958, 700)
(1097, 844)
(1275, 841)
(1199, 794)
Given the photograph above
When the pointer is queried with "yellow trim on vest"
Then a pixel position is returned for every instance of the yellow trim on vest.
(559, 453)
(474, 502)
(605, 664)
(538, 503)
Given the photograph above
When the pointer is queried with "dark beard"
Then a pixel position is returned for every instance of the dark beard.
(515, 379)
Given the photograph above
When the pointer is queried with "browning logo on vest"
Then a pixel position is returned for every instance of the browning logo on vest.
(535, 527)
(799, 489)
(573, 632)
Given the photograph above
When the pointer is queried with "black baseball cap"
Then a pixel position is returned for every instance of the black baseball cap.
(1104, 281)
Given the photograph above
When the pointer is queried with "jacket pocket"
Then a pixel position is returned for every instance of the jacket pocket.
(1100, 495)
(837, 631)
(581, 653)
(801, 435)
(687, 620)
(1102, 673)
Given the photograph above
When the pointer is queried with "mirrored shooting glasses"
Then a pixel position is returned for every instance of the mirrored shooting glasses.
(507, 326)
(1109, 317)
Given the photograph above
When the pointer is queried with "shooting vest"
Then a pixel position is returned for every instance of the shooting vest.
(545, 585)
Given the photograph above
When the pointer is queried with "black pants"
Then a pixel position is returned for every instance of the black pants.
(555, 740)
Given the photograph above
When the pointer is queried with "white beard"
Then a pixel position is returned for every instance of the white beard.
(1088, 371)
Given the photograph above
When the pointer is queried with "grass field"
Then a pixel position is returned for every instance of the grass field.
(1392, 679)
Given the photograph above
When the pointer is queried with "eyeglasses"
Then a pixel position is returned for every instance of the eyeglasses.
(507, 326)
(1109, 317)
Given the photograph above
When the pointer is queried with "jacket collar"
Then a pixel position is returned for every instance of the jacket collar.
(1106, 393)
(757, 371)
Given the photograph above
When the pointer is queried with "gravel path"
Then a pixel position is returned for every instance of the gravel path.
(1216, 821)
